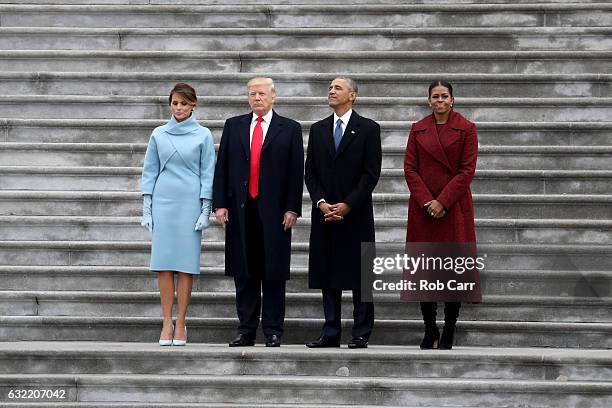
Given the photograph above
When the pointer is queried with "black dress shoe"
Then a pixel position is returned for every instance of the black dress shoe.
(241, 340)
(273, 341)
(324, 341)
(358, 342)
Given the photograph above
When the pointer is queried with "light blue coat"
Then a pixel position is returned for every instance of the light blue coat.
(178, 171)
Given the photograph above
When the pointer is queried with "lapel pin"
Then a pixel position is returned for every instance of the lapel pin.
(352, 131)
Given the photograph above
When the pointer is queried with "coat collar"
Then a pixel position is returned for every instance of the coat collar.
(433, 142)
(174, 127)
(351, 131)
(455, 121)
(245, 133)
(328, 135)
(274, 129)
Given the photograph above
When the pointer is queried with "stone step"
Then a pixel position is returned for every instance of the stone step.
(299, 305)
(570, 4)
(394, 133)
(305, 108)
(513, 62)
(136, 253)
(303, 83)
(517, 181)
(525, 157)
(199, 405)
(298, 38)
(132, 154)
(111, 203)
(84, 178)
(254, 389)
(276, 15)
(298, 331)
(194, 405)
(376, 361)
(102, 228)
(532, 284)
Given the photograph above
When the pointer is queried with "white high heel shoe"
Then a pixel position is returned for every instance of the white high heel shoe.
(167, 342)
(176, 342)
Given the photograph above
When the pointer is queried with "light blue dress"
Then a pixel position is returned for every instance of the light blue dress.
(178, 171)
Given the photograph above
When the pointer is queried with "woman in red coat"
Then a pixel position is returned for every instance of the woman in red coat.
(439, 166)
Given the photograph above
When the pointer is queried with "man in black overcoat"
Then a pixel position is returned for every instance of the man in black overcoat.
(257, 196)
(343, 162)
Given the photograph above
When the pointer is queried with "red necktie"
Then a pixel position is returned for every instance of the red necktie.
(256, 143)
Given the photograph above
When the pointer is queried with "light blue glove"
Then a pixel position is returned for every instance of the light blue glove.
(203, 222)
(147, 219)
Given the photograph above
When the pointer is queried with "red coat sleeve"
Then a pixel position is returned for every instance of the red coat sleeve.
(460, 183)
(416, 185)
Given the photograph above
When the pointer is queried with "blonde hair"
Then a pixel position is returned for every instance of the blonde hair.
(262, 81)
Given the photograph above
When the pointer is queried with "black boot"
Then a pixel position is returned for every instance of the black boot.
(432, 335)
(451, 313)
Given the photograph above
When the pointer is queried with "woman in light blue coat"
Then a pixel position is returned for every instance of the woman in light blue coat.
(177, 180)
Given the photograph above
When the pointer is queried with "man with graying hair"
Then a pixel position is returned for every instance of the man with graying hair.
(343, 162)
(257, 197)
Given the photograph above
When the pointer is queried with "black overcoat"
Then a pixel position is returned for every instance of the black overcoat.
(281, 181)
(348, 175)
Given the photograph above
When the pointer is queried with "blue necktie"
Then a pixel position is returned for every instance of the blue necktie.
(338, 133)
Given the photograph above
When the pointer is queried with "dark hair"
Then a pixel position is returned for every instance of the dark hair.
(441, 83)
(184, 90)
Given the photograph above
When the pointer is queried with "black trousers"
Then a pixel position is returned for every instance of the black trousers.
(249, 303)
(363, 314)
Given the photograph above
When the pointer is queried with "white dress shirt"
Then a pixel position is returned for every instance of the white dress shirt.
(265, 124)
(345, 119)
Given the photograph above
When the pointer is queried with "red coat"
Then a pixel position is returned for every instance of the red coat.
(441, 167)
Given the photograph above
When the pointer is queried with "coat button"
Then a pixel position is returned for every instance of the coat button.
(246, 182)
(242, 205)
